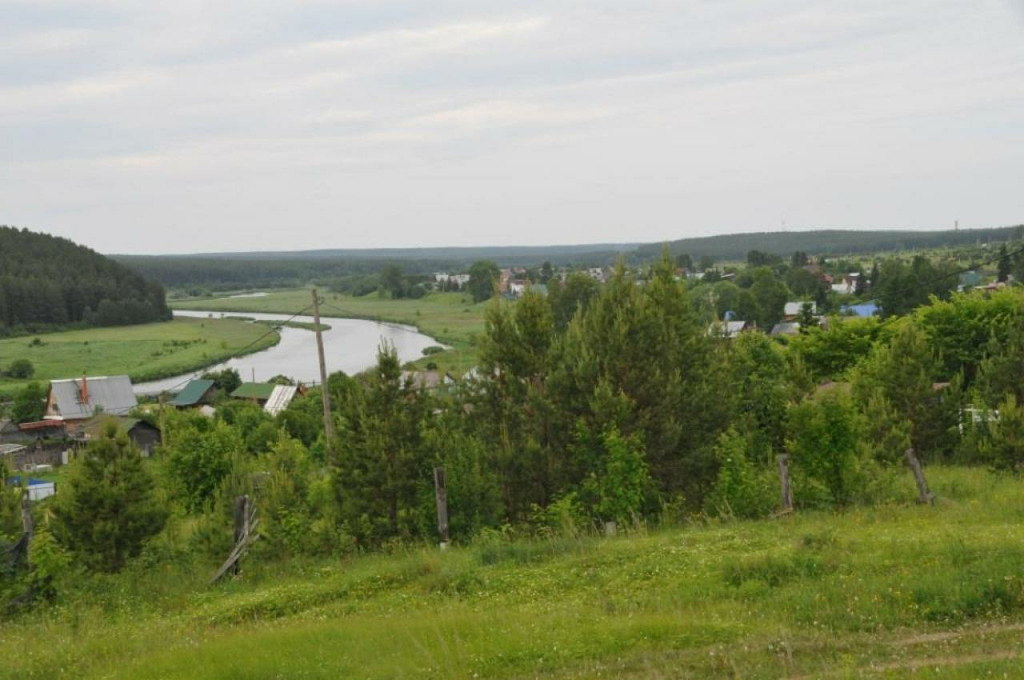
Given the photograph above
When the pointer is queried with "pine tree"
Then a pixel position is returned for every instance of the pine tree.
(381, 467)
(107, 508)
(1005, 266)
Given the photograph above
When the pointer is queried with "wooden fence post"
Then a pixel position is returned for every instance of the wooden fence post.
(924, 494)
(441, 493)
(27, 525)
(787, 491)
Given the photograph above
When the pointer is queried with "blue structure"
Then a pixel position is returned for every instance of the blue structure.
(864, 311)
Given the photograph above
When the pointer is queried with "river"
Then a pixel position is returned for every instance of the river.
(350, 345)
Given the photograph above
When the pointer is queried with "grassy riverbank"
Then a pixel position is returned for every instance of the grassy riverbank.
(451, 318)
(144, 352)
(890, 592)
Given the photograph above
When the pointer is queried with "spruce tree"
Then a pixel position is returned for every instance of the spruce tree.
(107, 508)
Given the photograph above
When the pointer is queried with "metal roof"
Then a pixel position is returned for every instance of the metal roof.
(6, 449)
(94, 428)
(73, 400)
(192, 393)
(280, 398)
(261, 391)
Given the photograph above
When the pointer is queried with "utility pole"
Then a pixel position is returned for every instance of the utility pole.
(328, 424)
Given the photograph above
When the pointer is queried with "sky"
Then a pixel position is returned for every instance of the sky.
(206, 125)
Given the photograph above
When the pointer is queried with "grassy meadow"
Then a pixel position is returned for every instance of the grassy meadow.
(144, 352)
(894, 591)
(450, 318)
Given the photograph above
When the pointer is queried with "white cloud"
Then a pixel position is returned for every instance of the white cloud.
(555, 121)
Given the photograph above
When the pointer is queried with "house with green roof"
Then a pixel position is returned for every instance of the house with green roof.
(195, 393)
(259, 393)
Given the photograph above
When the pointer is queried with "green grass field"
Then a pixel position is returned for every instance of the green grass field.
(896, 591)
(144, 352)
(451, 318)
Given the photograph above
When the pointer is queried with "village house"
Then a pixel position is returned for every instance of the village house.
(144, 435)
(428, 380)
(848, 284)
(791, 310)
(273, 398)
(195, 393)
(74, 402)
(729, 329)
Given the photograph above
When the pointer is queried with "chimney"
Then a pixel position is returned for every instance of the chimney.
(85, 391)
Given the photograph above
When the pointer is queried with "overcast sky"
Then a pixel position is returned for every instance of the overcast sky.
(199, 125)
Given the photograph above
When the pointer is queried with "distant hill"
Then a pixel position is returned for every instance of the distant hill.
(222, 271)
(828, 241)
(283, 269)
(531, 254)
(46, 281)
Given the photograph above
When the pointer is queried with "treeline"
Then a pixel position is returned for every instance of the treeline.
(49, 282)
(834, 241)
(200, 274)
(352, 270)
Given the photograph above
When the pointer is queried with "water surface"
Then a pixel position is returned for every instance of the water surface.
(350, 345)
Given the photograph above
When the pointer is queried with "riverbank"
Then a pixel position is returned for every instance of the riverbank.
(452, 319)
(145, 352)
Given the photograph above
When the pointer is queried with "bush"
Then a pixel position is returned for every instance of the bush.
(21, 369)
(741, 489)
(1003, 446)
(825, 436)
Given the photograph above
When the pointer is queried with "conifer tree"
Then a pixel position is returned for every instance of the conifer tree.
(107, 508)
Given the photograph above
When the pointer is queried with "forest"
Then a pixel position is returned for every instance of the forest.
(358, 270)
(832, 241)
(48, 282)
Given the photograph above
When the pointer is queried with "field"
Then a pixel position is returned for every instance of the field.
(144, 352)
(890, 592)
(451, 318)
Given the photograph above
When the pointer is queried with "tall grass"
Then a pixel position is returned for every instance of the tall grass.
(895, 590)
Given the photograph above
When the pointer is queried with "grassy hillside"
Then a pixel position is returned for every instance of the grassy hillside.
(895, 591)
(450, 318)
(144, 352)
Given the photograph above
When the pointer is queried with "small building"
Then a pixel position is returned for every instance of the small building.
(195, 393)
(791, 310)
(729, 329)
(7, 451)
(144, 435)
(280, 398)
(42, 429)
(257, 393)
(865, 310)
(9, 431)
(79, 400)
(38, 489)
(848, 285)
(785, 328)
(428, 380)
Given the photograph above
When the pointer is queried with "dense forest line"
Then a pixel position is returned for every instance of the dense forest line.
(350, 269)
(49, 282)
(199, 273)
(830, 242)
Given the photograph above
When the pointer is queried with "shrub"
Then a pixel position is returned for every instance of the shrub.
(21, 369)
(825, 436)
(741, 489)
(1003, 446)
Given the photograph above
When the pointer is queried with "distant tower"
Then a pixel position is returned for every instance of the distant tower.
(956, 225)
